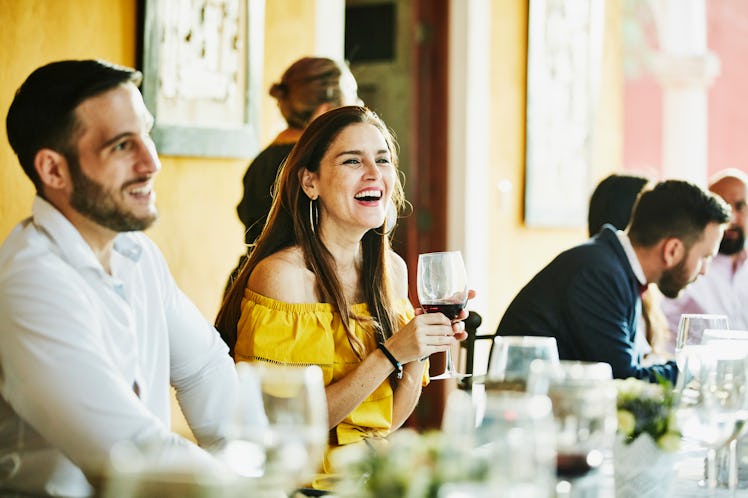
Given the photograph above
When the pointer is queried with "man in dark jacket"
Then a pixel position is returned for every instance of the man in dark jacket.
(588, 296)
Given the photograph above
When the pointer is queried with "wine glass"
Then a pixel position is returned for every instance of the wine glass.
(584, 408)
(516, 440)
(511, 357)
(712, 398)
(293, 439)
(713, 335)
(691, 327)
(442, 288)
(729, 458)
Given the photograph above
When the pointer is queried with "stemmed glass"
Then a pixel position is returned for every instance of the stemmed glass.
(728, 458)
(712, 398)
(691, 327)
(511, 357)
(294, 437)
(442, 288)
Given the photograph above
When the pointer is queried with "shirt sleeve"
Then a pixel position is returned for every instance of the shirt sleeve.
(201, 370)
(598, 311)
(58, 376)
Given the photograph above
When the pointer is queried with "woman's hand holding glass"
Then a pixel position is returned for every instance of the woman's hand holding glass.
(426, 334)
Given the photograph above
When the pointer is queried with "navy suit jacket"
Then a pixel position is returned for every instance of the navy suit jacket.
(588, 299)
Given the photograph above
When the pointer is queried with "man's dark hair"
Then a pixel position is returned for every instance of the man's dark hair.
(42, 114)
(613, 200)
(675, 208)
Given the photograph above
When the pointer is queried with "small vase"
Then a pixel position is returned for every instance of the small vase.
(642, 469)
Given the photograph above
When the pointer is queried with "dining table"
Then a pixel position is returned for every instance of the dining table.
(688, 469)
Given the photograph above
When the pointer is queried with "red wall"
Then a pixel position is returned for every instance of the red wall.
(727, 31)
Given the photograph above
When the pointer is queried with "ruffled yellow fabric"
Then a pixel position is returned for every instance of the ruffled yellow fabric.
(313, 334)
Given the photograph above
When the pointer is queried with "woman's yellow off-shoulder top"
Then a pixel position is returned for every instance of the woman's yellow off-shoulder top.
(313, 334)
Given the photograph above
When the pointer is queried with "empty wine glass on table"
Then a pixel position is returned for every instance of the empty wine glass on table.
(511, 357)
(732, 461)
(691, 327)
(442, 288)
(712, 398)
(294, 437)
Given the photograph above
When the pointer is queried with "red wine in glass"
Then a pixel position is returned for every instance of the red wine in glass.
(450, 310)
(442, 288)
(572, 465)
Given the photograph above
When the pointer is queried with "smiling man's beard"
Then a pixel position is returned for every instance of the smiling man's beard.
(96, 202)
(674, 280)
(732, 245)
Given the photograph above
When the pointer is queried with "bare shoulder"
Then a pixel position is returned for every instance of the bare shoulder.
(283, 276)
(399, 272)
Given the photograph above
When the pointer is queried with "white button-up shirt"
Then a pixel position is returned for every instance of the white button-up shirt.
(641, 346)
(86, 358)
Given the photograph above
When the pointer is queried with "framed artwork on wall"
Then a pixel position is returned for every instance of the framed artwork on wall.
(202, 72)
(563, 75)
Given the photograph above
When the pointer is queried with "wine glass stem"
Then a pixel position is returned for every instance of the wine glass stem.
(711, 468)
(732, 464)
(450, 366)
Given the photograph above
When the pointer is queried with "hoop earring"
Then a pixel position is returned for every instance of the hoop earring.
(313, 215)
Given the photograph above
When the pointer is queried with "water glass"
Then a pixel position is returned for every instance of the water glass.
(691, 328)
(584, 408)
(712, 398)
(517, 439)
(511, 356)
(293, 439)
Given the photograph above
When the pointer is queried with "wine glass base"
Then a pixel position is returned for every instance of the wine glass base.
(448, 375)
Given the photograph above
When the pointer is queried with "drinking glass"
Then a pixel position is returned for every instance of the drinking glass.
(691, 327)
(712, 398)
(511, 356)
(442, 288)
(584, 408)
(731, 461)
(712, 335)
(516, 440)
(294, 438)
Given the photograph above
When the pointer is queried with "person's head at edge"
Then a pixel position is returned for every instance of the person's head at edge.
(612, 201)
(679, 225)
(311, 86)
(80, 130)
(298, 219)
(732, 184)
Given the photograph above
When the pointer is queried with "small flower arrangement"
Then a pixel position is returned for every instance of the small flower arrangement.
(407, 465)
(647, 408)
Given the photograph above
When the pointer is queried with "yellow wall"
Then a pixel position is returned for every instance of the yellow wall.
(198, 230)
(518, 252)
(38, 31)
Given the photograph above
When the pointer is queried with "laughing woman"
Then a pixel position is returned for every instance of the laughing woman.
(323, 286)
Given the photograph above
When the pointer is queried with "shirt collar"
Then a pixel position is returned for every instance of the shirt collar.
(70, 242)
(623, 238)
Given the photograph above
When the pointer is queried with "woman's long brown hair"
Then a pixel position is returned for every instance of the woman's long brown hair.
(289, 225)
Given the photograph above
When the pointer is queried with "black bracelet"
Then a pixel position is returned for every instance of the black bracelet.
(398, 366)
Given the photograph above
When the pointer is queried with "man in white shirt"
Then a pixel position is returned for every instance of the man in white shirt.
(93, 328)
(724, 290)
